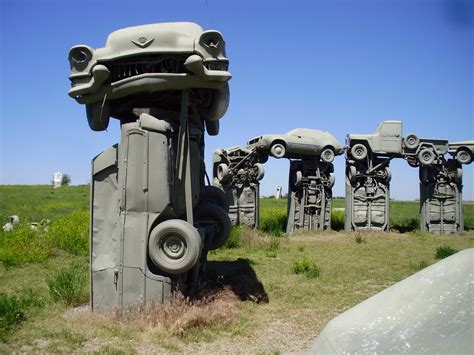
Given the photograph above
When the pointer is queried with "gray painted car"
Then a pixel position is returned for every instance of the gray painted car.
(151, 65)
(463, 151)
(298, 143)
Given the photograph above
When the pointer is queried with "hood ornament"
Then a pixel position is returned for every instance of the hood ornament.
(143, 42)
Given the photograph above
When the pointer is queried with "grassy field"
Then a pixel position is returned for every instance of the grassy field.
(267, 293)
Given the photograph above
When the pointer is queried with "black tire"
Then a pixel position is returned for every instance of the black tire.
(98, 116)
(278, 150)
(327, 155)
(218, 215)
(174, 246)
(260, 171)
(332, 180)
(388, 174)
(412, 141)
(459, 175)
(463, 157)
(351, 173)
(426, 156)
(212, 127)
(413, 162)
(359, 151)
(222, 172)
(214, 195)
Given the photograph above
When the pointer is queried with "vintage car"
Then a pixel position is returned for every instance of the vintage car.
(298, 143)
(387, 140)
(463, 151)
(139, 62)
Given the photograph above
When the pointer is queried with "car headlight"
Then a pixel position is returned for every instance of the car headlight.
(80, 56)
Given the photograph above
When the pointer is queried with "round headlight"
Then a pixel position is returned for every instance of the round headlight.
(80, 55)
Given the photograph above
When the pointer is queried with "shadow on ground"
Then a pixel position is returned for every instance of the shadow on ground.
(239, 276)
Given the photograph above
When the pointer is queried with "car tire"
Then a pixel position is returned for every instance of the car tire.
(260, 171)
(327, 155)
(214, 195)
(412, 141)
(463, 157)
(298, 178)
(332, 180)
(426, 156)
(388, 174)
(98, 115)
(218, 215)
(459, 174)
(278, 150)
(359, 151)
(222, 172)
(174, 246)
(351, 173)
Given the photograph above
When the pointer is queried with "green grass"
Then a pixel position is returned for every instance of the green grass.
(70, 286)
(300, 281)
(444, 252)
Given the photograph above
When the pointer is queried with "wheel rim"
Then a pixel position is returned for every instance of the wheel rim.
(463, 157)
(278, 150)
(426, 156)
(173, 246)
(359, 151)
(328, 155)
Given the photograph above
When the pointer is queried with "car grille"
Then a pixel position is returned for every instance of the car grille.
(173, 64)
(123, 69)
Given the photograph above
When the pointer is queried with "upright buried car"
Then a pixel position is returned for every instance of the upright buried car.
(152, 64)
(299, 143)
(153, 220)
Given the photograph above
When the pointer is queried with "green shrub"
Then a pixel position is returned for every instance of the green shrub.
(444, 252)
(23, 245)
(13, 310)
(272, 247)
(306, 267)
(359, 239)
(234, 239)
(337, 220)
(70, 286)
(273, 221)
(11, 314)
(71, 232)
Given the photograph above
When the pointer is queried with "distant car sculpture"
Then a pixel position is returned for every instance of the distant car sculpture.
(298, 143)
(237, 171)
(368, 178)
(152, 218)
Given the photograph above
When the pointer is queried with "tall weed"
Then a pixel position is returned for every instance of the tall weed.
(71, 232)
(23, 245)
(70, 286)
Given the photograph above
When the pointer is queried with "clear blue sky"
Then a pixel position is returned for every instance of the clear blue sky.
(340, 66)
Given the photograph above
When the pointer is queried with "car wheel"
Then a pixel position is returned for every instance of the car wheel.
(222, 172)
(426, 156)
(260, 171)
(359, 151)
(463, 157)
(459, 175)
(214, 195)
(388, 174)
(412, 141)
(332, 180)
(221, 218)
(278, 150)
(413, 162)
(174, 246)
(327, 155)
(298, 178)
(98, 115)
(351, 173)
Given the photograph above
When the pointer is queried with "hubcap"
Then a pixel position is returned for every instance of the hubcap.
(174, 246)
